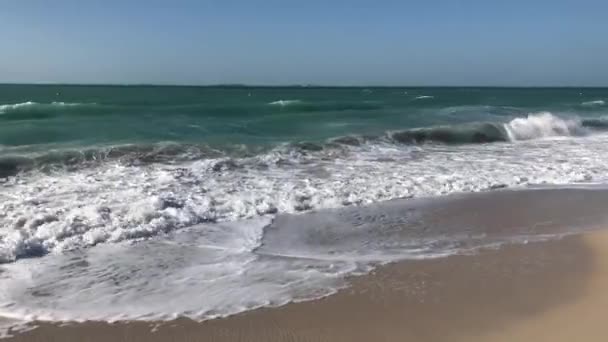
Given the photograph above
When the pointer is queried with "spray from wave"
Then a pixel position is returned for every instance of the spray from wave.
(543, 125)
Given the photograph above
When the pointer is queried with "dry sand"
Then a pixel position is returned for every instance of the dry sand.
(544, 291)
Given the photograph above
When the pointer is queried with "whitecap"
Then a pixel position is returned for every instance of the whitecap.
(595, 103)
(24, 106)
(8, 107)
(284, 103)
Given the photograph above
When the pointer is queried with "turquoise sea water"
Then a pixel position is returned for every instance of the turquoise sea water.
(54, 124)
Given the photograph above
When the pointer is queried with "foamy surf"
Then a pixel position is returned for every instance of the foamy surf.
(209, 271)
(216, 270)
(110, 202)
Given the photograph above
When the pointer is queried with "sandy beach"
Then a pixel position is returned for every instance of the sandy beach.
(542, 291)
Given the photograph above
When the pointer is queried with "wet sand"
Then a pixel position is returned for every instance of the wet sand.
(541, 291)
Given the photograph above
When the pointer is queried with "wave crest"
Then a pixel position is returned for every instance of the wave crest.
(8, 107)
(534, 126)
(460, 134)
(37, 107)
(542, 125)
(134, 154)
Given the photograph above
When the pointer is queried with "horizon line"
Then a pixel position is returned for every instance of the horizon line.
(245, 85)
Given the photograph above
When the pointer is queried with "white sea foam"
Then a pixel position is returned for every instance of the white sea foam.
(206, 272)
(13, 327)
(422, 97)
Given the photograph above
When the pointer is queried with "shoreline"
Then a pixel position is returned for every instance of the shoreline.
(516, 292)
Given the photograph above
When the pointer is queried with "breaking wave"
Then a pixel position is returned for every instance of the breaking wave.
(534, 126)
(543, 125)
(61, 200)
(132, 154)
(123, 201)
(35, 110)
(34, 106)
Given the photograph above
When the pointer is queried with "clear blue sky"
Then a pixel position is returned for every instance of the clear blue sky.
(425, 42)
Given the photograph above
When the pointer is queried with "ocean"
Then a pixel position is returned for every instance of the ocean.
(157, 202)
